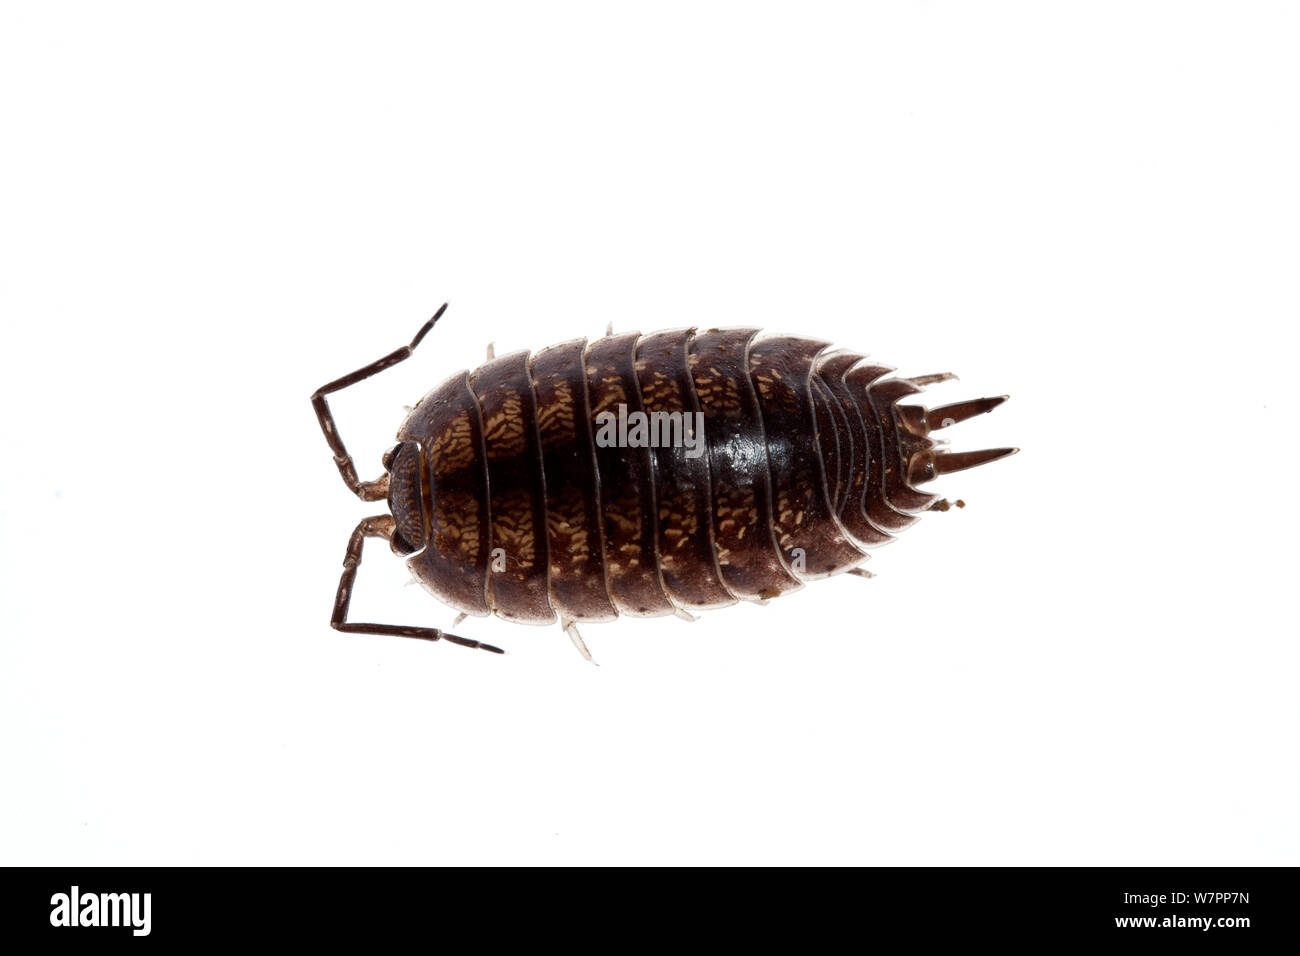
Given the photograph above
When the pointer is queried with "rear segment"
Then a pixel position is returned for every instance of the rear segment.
(812, 540)
(852, 507)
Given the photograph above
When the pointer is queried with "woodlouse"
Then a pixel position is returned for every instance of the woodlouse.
(506, 495)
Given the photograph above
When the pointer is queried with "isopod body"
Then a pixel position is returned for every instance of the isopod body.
(647, 475)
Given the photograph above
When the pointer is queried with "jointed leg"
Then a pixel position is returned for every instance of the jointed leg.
(365, 490)
(934, 379)
(381, 526)
(571, 628)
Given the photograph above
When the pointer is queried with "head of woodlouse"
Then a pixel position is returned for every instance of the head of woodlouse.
(406, 497)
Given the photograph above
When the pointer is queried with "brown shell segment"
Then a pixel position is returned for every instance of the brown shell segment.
(518, 554)
(882, 515)
(831, 369)
(900, 495)
(573, 523)
(744, 542)
(807, 529)
(454, 566)
(835, 440)
(627, 495)
(683, 510)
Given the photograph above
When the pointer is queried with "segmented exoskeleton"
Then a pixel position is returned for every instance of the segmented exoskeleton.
(763, 462)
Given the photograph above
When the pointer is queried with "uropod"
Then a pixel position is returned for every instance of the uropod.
(645, 475)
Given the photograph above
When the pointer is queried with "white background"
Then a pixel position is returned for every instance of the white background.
(210, 211)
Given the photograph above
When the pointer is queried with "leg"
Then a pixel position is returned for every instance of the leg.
(932, 379)
(381, 526)
(365, 490)
(571, 628)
